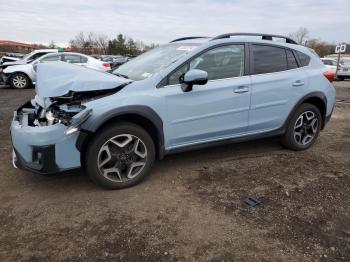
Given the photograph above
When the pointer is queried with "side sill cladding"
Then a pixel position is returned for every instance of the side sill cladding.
(139, 110)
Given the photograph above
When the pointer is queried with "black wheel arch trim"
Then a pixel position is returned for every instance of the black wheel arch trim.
(315, 94)
(140, 110)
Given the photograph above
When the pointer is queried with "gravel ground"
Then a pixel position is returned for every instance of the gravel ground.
(191, 207)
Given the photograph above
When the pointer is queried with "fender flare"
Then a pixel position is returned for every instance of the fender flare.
(315, 94)
(140, 110)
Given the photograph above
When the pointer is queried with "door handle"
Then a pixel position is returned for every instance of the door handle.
(241, 90)
(298, 83)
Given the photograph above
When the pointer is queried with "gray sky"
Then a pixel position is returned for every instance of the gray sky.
(159, 21)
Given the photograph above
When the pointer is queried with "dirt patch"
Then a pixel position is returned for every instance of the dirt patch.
(190, 208)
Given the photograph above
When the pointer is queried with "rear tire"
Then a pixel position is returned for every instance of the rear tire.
(19, 81)
(119, 156)
(303, 128)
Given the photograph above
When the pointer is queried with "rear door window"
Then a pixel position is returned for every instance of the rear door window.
(268, 59)
(73, 59)
(51, 58)
(83, 59)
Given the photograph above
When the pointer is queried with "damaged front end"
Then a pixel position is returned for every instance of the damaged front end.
(45, 130)
(44, 138)
(67, 110)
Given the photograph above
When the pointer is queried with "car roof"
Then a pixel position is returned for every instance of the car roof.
(262, 36)
(268, 39)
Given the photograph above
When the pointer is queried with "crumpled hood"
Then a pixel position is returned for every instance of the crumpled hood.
(58, 78)
(15, 62)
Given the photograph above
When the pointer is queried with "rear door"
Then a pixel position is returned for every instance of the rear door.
(277, 83)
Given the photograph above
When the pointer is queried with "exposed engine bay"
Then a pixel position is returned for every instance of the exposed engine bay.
(50, 111)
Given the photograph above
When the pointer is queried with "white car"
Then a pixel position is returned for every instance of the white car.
(11, 57)
(330, 63)
(343, 70)
(28, 57)
(22, 76)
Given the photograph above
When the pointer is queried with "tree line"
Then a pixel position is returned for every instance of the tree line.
(322, 48)
(122, 45)
(92, 43)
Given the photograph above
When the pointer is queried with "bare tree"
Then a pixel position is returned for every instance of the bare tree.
(102, 43)
(52, 44)
(300, 36)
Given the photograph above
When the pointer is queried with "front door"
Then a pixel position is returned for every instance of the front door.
(210, 112)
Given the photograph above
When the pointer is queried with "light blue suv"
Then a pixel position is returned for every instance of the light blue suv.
(190, 93)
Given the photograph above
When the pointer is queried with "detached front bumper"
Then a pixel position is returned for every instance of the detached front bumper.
(44, 149)
(4, 78)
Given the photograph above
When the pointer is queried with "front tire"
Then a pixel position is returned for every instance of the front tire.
(120, 156)
(19, 81)
(303, 128)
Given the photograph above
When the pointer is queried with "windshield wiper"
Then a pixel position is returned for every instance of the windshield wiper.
(121, 75)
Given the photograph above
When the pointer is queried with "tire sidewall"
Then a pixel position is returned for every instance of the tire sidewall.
(90, 159)
(19, 74)
(290, 131)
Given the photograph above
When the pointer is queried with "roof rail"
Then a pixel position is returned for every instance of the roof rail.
(187, 38)
(263, 36)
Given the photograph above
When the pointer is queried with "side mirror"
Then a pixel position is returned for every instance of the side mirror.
(194, 77)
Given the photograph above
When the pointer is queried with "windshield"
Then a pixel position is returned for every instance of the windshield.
(27, 55)
(153, 61)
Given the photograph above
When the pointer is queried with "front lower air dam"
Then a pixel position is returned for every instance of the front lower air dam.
(44, 149)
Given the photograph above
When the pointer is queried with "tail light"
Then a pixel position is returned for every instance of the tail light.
(329, 75)
(107, 65)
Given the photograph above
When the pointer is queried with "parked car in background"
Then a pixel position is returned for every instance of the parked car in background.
(343, 70)
(190, 93)
(114, 60)
(22, 76)
(98, 57)
(28, 58)
(330, 63)
(11, 57)
(118, 61)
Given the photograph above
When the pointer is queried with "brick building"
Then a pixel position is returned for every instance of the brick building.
(15, 47)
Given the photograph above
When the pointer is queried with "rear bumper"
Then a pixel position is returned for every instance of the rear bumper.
(344, 74)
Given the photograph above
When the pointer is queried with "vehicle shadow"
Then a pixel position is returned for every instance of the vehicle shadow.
(78, 180)
(228, 151)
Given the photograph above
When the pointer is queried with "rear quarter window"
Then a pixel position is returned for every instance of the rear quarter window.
(303, 58)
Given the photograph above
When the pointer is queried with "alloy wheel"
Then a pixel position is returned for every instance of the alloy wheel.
(122, 158)
(305, 128)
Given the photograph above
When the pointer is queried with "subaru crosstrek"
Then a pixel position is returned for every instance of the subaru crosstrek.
(190, 93)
